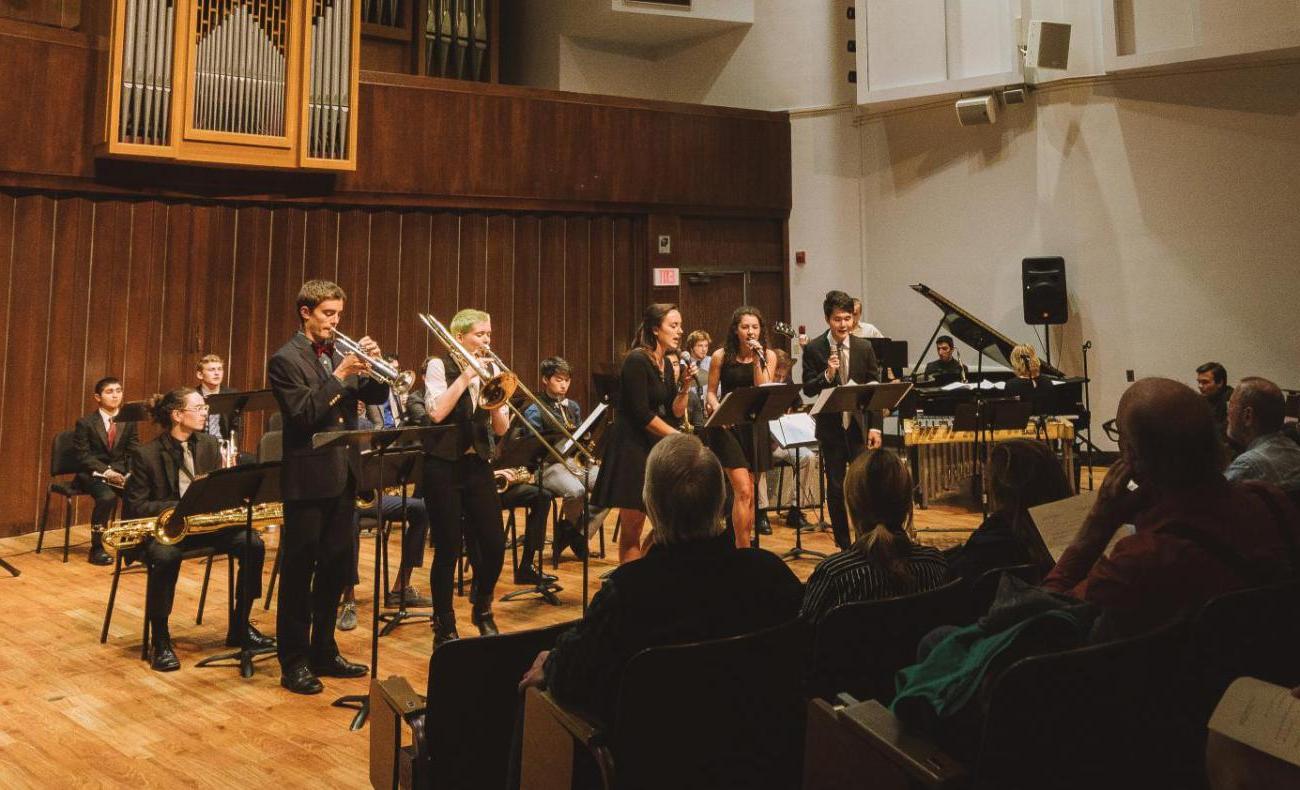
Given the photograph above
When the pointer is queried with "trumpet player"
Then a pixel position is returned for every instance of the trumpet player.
(161, 472)
(317, 387)
(572, 480)
(835, 358)
(458, 476)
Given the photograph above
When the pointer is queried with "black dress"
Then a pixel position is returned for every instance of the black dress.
(643, 394)
(735, 446)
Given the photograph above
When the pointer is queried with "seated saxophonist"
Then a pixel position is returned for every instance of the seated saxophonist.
(162, 470)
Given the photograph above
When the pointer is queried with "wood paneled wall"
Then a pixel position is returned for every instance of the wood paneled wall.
(142, 289)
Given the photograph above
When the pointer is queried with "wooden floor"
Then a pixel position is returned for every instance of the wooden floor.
(75, 713)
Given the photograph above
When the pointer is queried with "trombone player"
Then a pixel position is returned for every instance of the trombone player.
(162, 470)
(458, 472)
(317, 386)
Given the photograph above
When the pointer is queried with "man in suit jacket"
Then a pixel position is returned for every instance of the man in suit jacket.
(317, 388)
(840, 437)
(103, 448)
(161, 472)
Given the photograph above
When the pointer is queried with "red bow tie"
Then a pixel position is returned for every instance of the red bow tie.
(323, 349)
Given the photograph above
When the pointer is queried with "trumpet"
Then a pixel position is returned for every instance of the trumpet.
(507, 477)
(379, 369)
(129, 533)
(499, 387)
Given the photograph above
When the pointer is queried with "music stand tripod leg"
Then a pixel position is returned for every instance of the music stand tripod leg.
(245, 654)
(392, 620)
(11, 569)
(798, 552)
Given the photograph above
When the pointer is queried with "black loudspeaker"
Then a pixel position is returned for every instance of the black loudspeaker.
(1043, 281)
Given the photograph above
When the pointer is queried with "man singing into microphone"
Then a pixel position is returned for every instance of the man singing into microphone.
(317, 388)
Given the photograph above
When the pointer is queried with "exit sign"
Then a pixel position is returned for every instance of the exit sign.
(667, 278)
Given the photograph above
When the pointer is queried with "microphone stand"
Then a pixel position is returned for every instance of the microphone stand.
(1087, 406)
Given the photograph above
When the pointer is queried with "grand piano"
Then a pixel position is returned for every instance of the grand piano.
(938, 423)
(1063, 396)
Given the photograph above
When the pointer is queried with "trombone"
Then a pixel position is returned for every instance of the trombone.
(497, 389)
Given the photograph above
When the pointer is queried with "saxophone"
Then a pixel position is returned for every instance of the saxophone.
(129, 533)
(507, 477)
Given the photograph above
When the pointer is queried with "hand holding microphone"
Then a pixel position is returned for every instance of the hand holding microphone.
(759, 353)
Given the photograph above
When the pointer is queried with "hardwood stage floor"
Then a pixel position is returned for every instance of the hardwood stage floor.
(75, 713)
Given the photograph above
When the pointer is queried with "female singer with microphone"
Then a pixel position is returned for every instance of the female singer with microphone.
(743, 361)
(651, 399)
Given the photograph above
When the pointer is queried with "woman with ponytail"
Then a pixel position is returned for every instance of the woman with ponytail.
(884, 561)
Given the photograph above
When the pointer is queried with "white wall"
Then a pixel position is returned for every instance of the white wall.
(1175, 201)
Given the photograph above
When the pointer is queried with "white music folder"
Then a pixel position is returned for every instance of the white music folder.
(794, 430)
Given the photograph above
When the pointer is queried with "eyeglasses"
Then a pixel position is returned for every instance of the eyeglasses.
(198, 409)
(1111, 427)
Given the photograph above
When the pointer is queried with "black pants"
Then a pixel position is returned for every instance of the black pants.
(165, 565)
(105, 497)
(417, 526)
(538, 502)
(837, 453)
(316, 563)
(452, 489)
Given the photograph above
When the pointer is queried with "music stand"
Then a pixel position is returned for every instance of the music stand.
(232, 405)
(524, 451)
(403, 466)
(224, 489)
(984, 417)
(790, 436)
(383, 442)
(135, 411)
(751, 407)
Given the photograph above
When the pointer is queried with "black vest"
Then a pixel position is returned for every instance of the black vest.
(473, 426)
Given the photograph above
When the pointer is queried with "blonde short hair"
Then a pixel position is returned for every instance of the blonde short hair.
(684, 490)
(206, 360)
(465, 320)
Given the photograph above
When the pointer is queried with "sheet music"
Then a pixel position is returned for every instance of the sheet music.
(825, 395)
(586, 425)
(794, 429)
(1261, 715)
(1058, 522)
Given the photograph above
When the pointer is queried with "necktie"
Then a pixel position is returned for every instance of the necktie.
(844, 376)
(327, 362)
(388, 415)
(187, 469)
(112, 433)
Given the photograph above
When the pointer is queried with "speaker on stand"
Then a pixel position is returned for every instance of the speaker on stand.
(1044, 294)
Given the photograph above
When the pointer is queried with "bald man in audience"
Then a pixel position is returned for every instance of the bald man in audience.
(1198, 535)
(1256, 412)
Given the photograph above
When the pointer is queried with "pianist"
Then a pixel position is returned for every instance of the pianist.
(945, 369)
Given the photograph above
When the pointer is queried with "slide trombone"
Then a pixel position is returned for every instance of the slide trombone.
(498, 388)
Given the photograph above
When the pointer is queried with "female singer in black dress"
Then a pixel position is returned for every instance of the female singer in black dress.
(743, 361)
(652, 395)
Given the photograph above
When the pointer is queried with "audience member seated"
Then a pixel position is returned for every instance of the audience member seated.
(1256, 412)
(1022, 473)
(884, 561)
(692, 585)
(1212, 381)
(1197, 535)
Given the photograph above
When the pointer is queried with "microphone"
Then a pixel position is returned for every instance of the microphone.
(758, 351)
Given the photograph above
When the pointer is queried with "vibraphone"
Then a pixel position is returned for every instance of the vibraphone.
(944, 459)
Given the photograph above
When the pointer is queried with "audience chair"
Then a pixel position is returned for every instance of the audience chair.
(859, 646)
(720, 714)
(1108, 715)
(985, 588)
(63, 461)
(208, 553)
(463, 729)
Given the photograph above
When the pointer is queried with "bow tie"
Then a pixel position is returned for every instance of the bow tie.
(325, 349)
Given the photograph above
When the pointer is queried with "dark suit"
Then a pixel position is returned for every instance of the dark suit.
(153, 487)
(839, 445)
(90, 442)
(318, 488)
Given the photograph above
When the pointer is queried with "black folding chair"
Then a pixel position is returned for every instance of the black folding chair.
(63, 461)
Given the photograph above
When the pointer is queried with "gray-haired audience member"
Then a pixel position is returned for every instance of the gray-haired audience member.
(692, 585)
(1256, 412)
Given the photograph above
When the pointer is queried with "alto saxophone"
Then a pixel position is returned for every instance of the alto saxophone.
(507, 477)
(129, 533)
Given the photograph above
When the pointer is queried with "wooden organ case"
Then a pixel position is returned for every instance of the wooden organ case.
(235, 83)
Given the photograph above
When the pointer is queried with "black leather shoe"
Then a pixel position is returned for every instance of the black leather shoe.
(764, 527)
(486, 625)
(163, 658)
(98, 556)
(444, 630)
(530, 575)
(256, 639)
(300, 680)
(339, 667)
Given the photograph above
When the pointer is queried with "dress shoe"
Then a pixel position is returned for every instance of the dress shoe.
(487, 626)
(97, 554)
(444, 630)
(408, 598)
(339, 667)
(300, 680)
(764, 527)
(162, 658)
(348, 616)
(256, 639)
(530, 575)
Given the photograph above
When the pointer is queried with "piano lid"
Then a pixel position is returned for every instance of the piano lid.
(974, 332)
